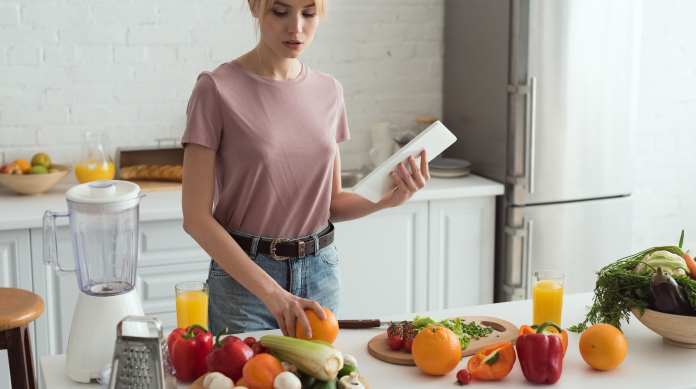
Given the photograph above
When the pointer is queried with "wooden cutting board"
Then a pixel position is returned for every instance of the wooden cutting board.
(503, 331)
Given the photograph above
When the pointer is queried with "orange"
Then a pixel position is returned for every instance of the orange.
(326, 330)
(603, 346)
(24, 165)
(260, 371)
(436, 350)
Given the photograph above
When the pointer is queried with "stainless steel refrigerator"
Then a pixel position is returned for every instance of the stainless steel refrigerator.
(541, 95)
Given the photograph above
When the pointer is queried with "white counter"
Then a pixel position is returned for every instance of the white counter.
(17, 211)
(650, 362)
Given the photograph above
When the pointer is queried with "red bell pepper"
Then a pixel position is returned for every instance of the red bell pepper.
(188, 350)
(541, 355)
(229, 356)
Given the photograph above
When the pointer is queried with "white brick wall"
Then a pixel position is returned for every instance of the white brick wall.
(127, 66)
(665, 135)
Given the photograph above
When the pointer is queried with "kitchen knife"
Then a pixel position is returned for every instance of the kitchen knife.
(358, 324)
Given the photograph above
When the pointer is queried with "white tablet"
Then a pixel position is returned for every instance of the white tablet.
(434, 139)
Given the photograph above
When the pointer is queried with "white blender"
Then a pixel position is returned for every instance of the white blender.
(104, 227)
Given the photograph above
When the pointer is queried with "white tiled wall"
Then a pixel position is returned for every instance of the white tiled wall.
(127, 66)
(664, 141)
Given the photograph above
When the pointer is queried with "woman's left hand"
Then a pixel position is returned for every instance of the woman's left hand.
(407, 183)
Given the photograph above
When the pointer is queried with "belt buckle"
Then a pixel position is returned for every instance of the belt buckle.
(274, 242)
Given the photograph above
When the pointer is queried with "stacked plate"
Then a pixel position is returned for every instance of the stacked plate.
(449, 167)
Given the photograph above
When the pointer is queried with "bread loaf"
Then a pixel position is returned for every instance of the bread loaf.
(152, 172)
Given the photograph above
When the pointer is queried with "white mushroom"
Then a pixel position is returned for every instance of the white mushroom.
(287, 380)
(351, 382)
(216, 380)
(347, 358)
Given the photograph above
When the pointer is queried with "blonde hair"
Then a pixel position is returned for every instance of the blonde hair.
(265, 5)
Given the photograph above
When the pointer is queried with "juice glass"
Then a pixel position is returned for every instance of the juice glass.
(547, 296)
(191, 304)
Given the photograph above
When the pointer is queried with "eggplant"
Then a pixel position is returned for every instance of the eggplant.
(667, 295)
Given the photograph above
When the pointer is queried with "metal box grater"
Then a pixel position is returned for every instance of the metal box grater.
(140, 356)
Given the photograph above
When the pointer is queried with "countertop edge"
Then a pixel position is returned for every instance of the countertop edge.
(25, 212)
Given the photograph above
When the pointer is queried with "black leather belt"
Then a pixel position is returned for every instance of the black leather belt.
(280, 248)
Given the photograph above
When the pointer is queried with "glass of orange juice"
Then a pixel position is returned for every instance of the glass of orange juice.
(95, 164)
(547, 296)
(191, 304)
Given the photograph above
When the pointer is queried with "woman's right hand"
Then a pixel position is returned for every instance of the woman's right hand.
(288, 310)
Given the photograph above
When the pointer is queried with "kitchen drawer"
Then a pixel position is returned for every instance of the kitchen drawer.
(166, 243)
(156, 284)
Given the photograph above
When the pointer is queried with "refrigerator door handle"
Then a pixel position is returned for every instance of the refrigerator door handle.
(519, 271)
(528, 90)
(528, 257)
(530, 133)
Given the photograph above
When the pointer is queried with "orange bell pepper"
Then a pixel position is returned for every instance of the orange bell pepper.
(492, 363)
(549, 330)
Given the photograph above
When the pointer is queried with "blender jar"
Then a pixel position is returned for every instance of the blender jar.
(104, 228)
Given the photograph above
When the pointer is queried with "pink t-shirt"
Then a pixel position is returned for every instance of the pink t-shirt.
(275, 144)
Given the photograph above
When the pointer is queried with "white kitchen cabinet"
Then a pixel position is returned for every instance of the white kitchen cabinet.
(15, 272)
(461, 252)
(384, 261)
(421, 256)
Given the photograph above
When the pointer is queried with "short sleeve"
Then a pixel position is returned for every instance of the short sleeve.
(342, 130)
(203, 114)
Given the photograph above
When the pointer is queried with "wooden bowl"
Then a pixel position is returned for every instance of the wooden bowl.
(34, 183)
(679, 330)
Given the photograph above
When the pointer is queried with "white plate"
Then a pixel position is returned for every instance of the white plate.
(449, 173)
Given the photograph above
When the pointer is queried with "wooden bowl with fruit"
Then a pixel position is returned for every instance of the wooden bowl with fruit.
(32, 177)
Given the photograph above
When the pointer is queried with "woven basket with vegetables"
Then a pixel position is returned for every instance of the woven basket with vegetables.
(659, 278)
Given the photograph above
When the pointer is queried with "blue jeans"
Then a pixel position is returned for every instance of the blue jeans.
(315, 277)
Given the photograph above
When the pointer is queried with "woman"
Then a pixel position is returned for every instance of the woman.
(262, 177)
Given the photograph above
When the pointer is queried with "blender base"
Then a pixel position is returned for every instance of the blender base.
(93, 332)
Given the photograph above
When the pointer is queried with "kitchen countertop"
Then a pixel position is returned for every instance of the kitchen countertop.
(17, 211)
(650, 362)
